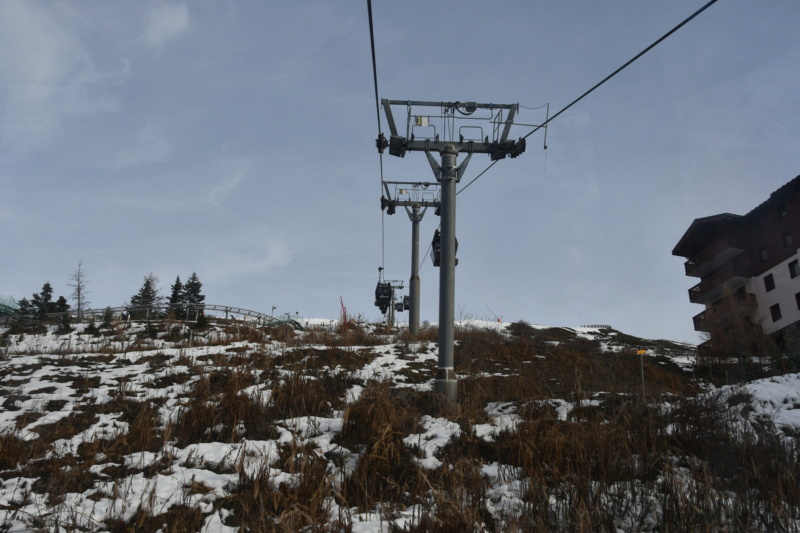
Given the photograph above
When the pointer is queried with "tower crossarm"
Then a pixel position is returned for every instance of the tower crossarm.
(410, 194)
(498, 146)
(410, 203)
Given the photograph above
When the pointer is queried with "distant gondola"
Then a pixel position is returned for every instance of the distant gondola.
(383, 296)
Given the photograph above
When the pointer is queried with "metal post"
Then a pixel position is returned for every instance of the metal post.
(641, 366)
(390, 317)
(413, 289)
(445, 382)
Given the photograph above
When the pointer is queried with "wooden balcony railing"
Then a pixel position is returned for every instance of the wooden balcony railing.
(723, 314)
(713, 256)
(711, 288)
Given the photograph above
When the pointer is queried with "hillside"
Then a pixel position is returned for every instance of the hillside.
(162, 426)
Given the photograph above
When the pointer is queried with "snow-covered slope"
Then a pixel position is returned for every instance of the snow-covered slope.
(140, 426)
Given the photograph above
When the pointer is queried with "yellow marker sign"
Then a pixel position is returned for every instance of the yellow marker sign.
(641, 352)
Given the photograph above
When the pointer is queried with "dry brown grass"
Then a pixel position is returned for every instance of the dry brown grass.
(377, 423)
(178, 519)
(538, 369)
(259, 503)
(458, 494)
(614, 462)
(303, 394)
(218, 410)
(356, 334)
(314, 359)
(14, 451)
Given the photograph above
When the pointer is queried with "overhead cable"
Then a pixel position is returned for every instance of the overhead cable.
(374, 66)
(378, 114)
(476, 177)
(620, 69)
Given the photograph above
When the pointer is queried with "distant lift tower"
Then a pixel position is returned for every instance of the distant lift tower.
(413, 196)
(434, 130)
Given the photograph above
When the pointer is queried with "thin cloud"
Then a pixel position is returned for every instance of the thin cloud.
(227, 253)
(151, 145)
(153, 202)
(49, 69)
(225, 185)
(210, 186)
(165, 23)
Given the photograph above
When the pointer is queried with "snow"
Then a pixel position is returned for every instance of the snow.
(438, 432)
(503, 418)
(778, 398)
(36, 382)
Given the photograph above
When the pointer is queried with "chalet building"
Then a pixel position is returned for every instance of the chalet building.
(748, 266)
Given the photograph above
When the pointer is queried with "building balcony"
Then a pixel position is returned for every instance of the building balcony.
(713, 257)
(722, 315)
(705, 349)
(730, 277)
(730, 343)
(700, 322)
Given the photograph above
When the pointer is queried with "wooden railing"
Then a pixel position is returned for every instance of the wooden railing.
(185, 313)
(720, 277)
(709, 253)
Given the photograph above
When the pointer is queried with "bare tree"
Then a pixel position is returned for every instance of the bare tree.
(79, 290)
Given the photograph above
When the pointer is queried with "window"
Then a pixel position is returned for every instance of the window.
(797, 299)
(788, 240)
(781, 210)
(794, 269)
(775, 310)
(769, 282)
(764, 254)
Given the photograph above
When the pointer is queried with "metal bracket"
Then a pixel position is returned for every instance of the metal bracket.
(389, 116)
(462, 167)
(437, 169)
(419, 216)
(508, 123)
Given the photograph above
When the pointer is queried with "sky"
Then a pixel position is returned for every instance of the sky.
(236, 140)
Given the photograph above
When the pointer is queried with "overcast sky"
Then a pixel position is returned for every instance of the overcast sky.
(236, 140)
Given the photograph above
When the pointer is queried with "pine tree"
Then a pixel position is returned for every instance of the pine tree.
(43, 301)
(23, 322)
(64, 325)
(176, 299)
(61, 305)
(147, 298)
(192, 296)
(108, 317)
(26, 307)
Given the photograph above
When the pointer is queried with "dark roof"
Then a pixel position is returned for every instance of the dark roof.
(693, 241)
(780, 194)
(688, 245)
